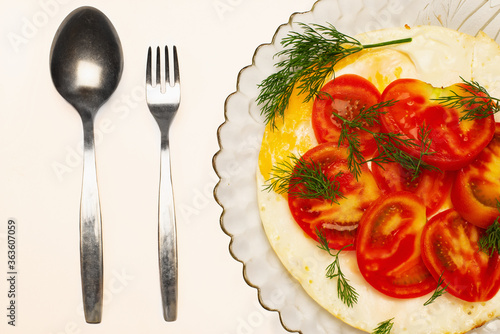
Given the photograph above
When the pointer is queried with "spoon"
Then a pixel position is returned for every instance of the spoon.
(86, 64)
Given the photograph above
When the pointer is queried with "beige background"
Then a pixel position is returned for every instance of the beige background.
(40, 168)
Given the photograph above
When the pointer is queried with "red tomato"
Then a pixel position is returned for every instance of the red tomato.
(346, 96)
(450, 247)
(337, 222)
(454, 143)
(432, 187)
(477, 187)
(388, 246)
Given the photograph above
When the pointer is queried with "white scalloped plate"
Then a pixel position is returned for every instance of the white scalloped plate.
(241, 134)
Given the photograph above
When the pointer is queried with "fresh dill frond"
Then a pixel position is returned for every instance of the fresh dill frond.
(370, 115)
(355, 157)
(490, 241)
(388, 144)
(304, 179)
(475, 100)
(365, 117)
(384, 327)
(438, 292)
(309, 58)
(345, 291)
(425, 143)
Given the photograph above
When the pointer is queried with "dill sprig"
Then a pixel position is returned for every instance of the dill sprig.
(475, 100)
(388, 144)
(309, 58)
(389, 147)
(490, 241)
(366, 117)
(346, 292)
(438, 292)
(384, 327)
(287, 175)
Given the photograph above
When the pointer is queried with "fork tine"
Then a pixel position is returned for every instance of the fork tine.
(158, 67)
(176, 67)
(167, 66)
(148, 68)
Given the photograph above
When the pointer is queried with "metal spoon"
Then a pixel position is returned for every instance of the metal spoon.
(86, 64)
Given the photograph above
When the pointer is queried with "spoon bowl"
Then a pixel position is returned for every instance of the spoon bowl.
(86, 60)
(86, 64)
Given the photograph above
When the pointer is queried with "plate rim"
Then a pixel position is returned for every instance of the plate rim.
(221, 148)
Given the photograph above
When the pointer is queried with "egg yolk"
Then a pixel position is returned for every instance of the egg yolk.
(293, 135)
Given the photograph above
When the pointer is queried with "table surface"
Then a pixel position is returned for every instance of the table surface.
(41, 168)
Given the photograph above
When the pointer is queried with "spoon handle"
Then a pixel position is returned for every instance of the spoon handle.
(90, 232)
(167, 238)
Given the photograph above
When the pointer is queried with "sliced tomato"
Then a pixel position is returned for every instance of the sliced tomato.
(454, 143)
(477, 187)
(345, 96)
(337, 222)
(432, 187)
(450, 248)
(388, 246)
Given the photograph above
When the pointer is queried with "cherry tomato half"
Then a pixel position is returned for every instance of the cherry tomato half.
(388, 246)
(450, 247)
(345, 96)
(432, 187)
(337, 222)
(454, 143)
(477, 187)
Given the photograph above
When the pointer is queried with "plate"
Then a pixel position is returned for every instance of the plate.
(241, 134)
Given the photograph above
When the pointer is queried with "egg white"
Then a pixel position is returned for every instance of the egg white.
(439, 56)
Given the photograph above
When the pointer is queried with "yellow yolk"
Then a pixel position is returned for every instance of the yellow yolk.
(293, 135)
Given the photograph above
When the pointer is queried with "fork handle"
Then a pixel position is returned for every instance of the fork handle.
(91, 261)
(167, 236)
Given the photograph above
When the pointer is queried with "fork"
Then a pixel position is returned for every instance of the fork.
(163, 101)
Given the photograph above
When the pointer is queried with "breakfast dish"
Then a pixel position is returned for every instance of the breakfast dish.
(435, 57)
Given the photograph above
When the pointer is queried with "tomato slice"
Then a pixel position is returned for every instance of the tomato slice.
(337, 222)
(450, 247)
(477, 187)
(454, 143)
(432, 187)
(345, 95)
(388, 246)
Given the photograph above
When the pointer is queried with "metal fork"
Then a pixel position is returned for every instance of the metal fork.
(163, 103)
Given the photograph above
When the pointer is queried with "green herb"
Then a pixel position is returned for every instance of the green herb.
(287, 175)
(388, 144)
(345, 291)
(389, 148)
(438, 292)
(366, 117)
(490, 241)
(474, 99)
(424, 142)
(384, 327)
(310, 57)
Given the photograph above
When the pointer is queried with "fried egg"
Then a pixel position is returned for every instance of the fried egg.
(436, 55)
